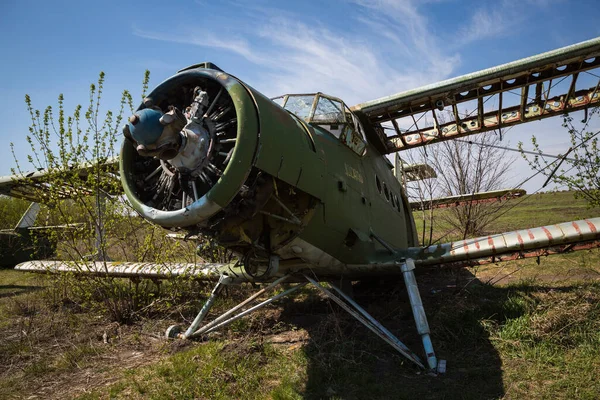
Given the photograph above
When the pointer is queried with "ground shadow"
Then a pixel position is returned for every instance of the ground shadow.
(348, 361)
(15, 290)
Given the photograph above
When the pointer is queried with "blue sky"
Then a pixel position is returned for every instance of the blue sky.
(354, 49)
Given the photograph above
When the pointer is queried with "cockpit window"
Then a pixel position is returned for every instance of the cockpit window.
(328, 110)
(330, 114)
(300, 105)
(279, 100)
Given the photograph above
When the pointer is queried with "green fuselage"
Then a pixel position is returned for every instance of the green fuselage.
(358, 196)
(302, 184)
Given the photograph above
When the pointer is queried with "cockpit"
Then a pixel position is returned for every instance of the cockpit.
(328, 113)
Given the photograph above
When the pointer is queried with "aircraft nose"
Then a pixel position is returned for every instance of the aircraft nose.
(145, 127)
(156, 134)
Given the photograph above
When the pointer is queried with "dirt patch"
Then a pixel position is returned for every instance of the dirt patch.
(101, 372)
(291, 339)
(55, 354)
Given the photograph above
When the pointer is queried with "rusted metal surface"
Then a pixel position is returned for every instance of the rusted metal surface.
(35, 185)
(519, 78)
(524, 243)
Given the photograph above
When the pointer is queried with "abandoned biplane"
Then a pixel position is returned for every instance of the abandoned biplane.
(300, 189)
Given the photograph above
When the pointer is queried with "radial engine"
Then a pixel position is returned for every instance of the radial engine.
(210, 155)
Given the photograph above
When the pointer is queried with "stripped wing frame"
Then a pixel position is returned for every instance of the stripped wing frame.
(540, 71)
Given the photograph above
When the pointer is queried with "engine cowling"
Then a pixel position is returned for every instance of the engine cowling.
(211, 155)
(186, 185)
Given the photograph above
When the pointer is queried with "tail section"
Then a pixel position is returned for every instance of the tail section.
(28, 219)
(463, 199)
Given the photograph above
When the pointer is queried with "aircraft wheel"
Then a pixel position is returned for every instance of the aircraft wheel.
(441, 367)
(173, 332)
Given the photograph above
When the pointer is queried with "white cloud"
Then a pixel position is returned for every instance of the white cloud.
(401, 22)
(299, 56)
(205, 38)
(544, 3)
(487, 23)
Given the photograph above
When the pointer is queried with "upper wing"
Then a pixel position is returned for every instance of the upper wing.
(521, 91)
(35, 186)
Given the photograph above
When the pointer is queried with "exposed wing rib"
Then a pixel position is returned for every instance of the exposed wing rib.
(33, 185)
(532, 77)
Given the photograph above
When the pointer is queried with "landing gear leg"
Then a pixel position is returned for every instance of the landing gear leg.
(231, 315)
(344, 301)
(174, 331)
(366, 319)
(410, 281)
(345, 285)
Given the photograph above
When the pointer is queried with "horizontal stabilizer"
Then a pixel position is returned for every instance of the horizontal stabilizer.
(412, 172)
(451, 201)
(210, 272)
(64, 227)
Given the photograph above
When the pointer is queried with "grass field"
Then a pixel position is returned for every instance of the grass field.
(518, 330)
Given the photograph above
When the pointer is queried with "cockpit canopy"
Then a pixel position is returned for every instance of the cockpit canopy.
(328, 113)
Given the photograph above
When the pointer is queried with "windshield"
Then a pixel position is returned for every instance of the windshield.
(300, 105)
(328, 110)
(329, 113)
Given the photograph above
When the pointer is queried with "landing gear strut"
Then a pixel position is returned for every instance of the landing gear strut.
(229, 316)
(338, 296)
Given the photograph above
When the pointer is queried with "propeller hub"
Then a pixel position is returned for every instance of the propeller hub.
(157, 134)
(145, 126)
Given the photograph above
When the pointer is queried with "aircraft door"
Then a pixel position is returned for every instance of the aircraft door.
(347, 204)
